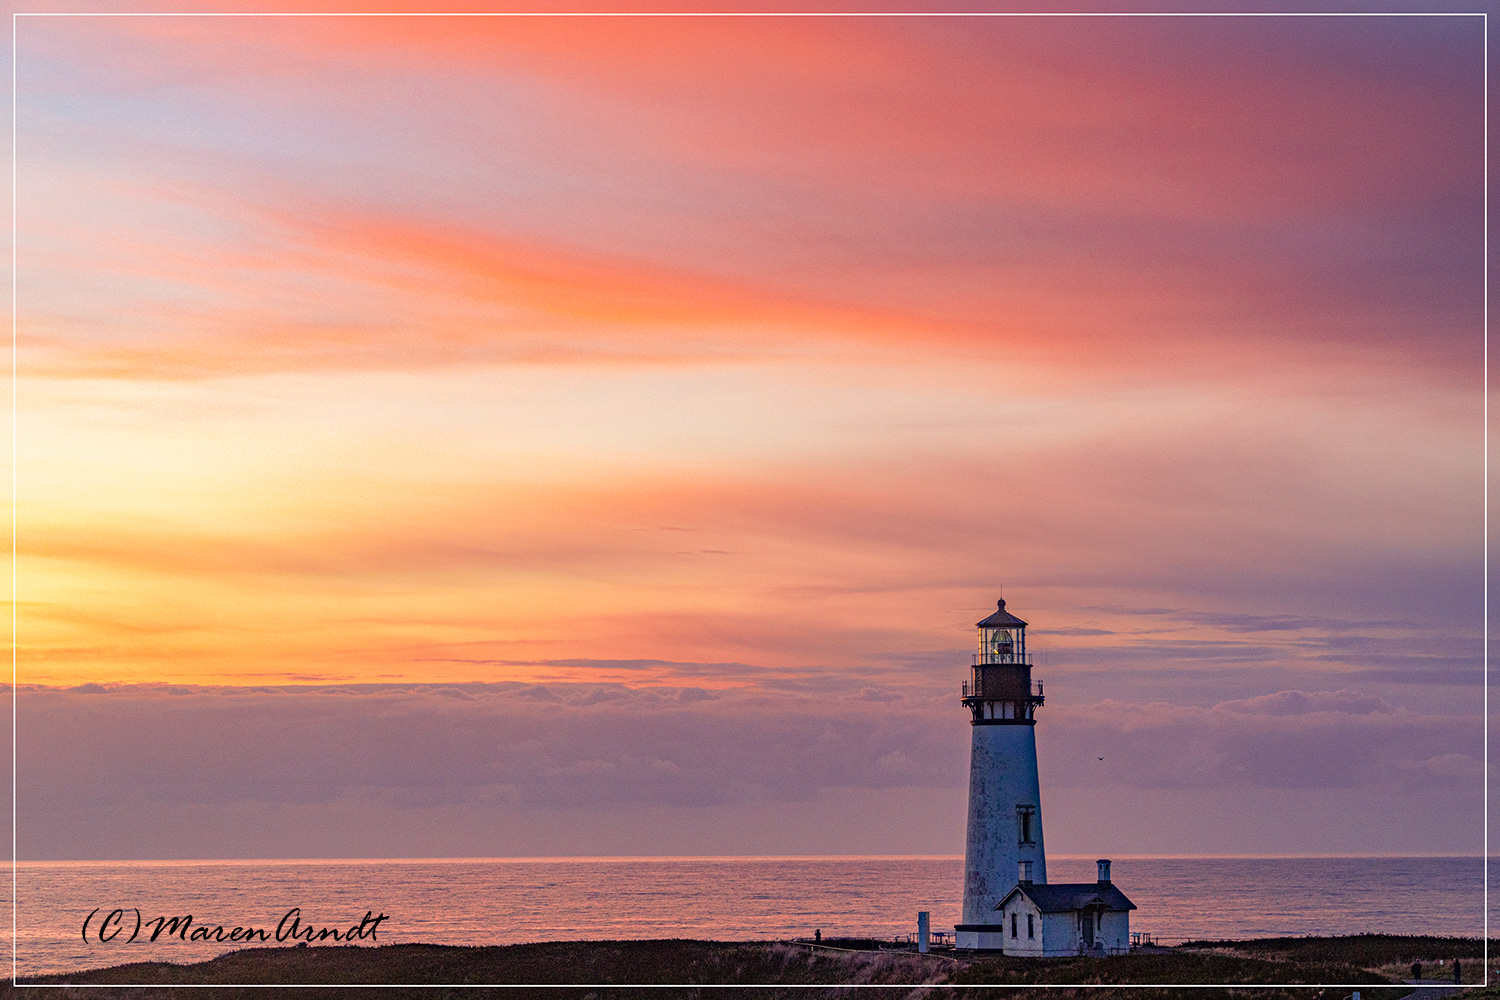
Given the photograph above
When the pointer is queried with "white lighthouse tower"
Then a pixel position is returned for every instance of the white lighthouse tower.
(1005, 801)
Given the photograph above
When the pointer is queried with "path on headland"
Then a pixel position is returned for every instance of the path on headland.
(1433, 989)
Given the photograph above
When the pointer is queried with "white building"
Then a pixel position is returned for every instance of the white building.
(1068, 918)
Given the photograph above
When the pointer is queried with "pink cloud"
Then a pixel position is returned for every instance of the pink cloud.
(1099, 192)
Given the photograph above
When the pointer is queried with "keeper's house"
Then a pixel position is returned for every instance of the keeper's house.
(1065, 918)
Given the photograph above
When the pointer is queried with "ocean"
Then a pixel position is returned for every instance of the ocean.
(511, 900)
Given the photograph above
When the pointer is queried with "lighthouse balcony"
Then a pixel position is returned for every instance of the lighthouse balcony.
(990, 685)
(1003, 655)
(1002, 682)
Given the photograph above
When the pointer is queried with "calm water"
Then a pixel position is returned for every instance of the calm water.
(503, 901)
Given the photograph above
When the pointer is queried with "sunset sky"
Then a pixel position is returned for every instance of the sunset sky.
(536, 435)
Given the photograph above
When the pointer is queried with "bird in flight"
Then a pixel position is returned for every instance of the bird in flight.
(1101, 758)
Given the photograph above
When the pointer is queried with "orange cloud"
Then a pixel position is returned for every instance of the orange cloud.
(787, 566)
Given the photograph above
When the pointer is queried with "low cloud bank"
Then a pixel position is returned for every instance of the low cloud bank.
(1289, 739)
(538, 745)
(611, 745)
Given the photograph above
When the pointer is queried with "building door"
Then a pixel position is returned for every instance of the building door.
(1086, 926)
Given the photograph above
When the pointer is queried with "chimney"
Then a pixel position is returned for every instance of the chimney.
(1025, 872)
(1104, 871)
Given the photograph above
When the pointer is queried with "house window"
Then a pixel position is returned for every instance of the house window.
(1012, 925)
(1026, 823)
(1030, 927)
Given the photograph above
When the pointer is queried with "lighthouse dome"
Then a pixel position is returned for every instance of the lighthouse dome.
(1001, 619)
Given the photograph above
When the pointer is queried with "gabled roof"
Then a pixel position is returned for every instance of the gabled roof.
(1002, 619)
(1059, 897)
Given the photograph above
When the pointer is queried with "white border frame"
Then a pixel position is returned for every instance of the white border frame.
(15, 18)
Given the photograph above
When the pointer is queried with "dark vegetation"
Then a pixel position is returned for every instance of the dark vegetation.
(1369, 950)
(797, 970)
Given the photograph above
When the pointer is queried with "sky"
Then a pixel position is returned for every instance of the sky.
(490, 436)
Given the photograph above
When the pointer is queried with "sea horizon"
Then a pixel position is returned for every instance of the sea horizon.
(437, 858)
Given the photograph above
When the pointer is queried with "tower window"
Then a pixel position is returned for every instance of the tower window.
(1030, 927)
(1026, 823)
(1012, 925)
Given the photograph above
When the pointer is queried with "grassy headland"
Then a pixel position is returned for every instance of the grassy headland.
(607, 969)
(1390, 955)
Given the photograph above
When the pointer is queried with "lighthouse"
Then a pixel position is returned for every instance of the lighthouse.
(1004, 845)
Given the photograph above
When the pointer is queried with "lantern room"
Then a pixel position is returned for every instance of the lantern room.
(1000, 691)
(1002, 638)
